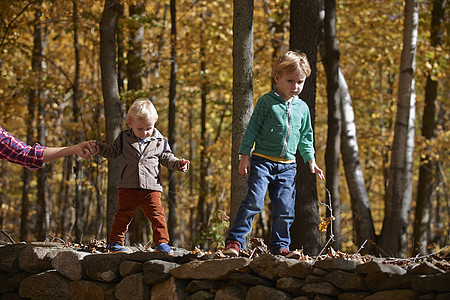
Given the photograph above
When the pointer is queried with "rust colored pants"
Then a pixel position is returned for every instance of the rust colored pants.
(150, 202)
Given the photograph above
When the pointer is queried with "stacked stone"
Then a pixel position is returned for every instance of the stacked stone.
(55, 272)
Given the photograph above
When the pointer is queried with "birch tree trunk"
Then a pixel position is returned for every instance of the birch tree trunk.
(393, 238)
(242, 93)
(172, 223)
(304, 37)
(362, 217)
(331, 64)
(113, 109)
(421, 235)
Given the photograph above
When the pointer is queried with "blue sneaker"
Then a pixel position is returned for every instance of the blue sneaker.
(163, 247)
(116, 247)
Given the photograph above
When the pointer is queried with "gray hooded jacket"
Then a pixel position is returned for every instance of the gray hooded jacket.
(140, 162)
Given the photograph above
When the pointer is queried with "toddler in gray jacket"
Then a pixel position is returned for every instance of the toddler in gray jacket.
(143, 148)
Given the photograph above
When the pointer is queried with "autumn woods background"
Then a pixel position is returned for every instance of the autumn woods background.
(69, 70)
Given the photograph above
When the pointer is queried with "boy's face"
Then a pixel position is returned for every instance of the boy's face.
(290, 84)
(142, 128)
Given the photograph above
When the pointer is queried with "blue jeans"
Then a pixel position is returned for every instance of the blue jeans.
(279, 179)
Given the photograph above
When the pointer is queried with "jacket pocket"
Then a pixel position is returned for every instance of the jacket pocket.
(156, 171)
(123, 171)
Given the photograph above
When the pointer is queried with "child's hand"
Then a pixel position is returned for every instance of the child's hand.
(184, 165)
(315, 169)
(244, 165)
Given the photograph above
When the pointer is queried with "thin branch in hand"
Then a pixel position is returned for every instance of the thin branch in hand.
(330, 207)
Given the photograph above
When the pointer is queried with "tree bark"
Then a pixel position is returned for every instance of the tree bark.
(65, 194)
(242, 93)
(42, 214)
(421, 235)
(139, 229)
(393, 238)
(331, 64)
(112, 105)
(155, 68)
(172, 223)
(80, 197)
(4, 191)
(32, 102)
(304, 37)
(135, 62)
(362, 217)
(202, 214)
(121, 65)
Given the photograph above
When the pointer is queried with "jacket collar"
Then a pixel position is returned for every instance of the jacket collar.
(135, 141)
(277, 96)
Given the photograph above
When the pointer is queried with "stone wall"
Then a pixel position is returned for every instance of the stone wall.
(55, 272)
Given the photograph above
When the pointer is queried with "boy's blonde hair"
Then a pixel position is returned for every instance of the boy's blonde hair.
(289, 61)
(142, 109)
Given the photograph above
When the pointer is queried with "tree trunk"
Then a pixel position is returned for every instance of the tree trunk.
(331, 64)
(80, 201)
(277, 28)
(393, 239)
(172, 222)
(421, 235)
(242, 93)
(32, 102)
(121, 65)
(441, 209)
(27, 174)
(110, 89)
(304, 37)
(205, 188)
(139, 229)
(362, 217)
(42, 214)
(43, 207)
(135, 62)
(155, 68)
(4, 191)
(65, 191)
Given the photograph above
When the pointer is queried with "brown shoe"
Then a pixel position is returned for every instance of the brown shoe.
(288, 254)
(232, 248)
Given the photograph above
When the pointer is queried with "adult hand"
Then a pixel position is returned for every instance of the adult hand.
(86, 149)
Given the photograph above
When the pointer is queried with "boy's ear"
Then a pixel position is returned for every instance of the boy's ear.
(276, 77)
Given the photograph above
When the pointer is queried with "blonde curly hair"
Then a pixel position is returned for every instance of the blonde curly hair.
(142, 109)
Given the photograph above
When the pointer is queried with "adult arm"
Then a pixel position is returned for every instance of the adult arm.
(83, 150)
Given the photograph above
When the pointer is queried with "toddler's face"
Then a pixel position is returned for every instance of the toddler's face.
(290, 84)
(142, 128)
